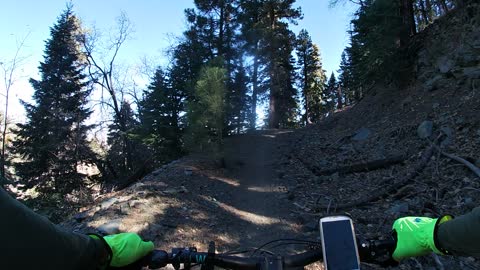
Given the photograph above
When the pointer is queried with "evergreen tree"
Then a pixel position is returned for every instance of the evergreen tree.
(126, 154)
(160, 117)
(53, 141)
(278, 48)
(205, 115)
(252, 33)
(312, 77)
(237, 103)
(345, 78)
(216, 23)
(330, 95)
(268, 39)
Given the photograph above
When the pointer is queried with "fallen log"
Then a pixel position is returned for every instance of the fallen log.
(381, 192)
(364, 166)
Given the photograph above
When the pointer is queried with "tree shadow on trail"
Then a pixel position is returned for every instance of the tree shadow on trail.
(238, 208)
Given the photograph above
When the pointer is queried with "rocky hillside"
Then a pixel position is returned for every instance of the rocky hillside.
(399, 152)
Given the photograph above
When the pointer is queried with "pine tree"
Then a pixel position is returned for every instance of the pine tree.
(278, 51)
(330, 95)
(216, 24)
(345, 79)
(53, 141)
(205, 115)
(126, 154)
(311, 78)
(237, 103)
(252, 29)
(160, 117)
(268, 39)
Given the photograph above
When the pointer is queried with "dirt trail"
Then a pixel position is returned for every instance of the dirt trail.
(192, 201)
(261, 199)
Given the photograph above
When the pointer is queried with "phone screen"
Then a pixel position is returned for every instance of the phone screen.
(339, 245)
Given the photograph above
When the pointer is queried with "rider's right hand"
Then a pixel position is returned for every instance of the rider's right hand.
(416, 236)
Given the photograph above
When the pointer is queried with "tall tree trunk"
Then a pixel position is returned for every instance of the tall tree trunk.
(339, 97)
(305, 90)
(253, 113)
(273, 121)
(424, 12)
(408, 18)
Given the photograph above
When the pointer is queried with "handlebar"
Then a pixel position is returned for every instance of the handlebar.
(373, 251)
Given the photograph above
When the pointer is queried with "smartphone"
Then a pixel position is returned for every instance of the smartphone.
(339, 244)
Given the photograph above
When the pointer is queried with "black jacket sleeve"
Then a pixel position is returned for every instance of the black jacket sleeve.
(30, 241)
(461, 236)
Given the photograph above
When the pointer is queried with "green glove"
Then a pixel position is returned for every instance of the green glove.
(416, 236)
(127, 248)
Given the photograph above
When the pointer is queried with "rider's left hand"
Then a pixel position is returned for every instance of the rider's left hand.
(127, 248)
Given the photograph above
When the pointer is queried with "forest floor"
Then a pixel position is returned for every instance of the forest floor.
(193, 201)
(368, 161)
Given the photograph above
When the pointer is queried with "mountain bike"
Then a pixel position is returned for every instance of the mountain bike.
(373, 251)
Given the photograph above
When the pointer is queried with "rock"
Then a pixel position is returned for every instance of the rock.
(468, 202)
(425, 129)
(176, 190)
(79, 217)
(434, 83)
(449, 132)
(362, 134)
(133, 204)
(445, 64)
(107, 203)
(125, 208)
(111, 227)
(399, 208)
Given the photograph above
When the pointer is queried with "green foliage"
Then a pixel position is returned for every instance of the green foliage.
(379, 41)
(160, 117)
(53, 141)
(126, 153)
(311, 78)
(205, 113)
(237, 101)
(377, 32)
(329, 98)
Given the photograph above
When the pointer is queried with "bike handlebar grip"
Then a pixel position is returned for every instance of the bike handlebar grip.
(158, 259)
(303, 259)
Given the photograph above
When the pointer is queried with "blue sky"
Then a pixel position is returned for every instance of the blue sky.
(155, 22)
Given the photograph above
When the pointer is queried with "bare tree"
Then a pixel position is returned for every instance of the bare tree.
(9, 69)
(105, 73)
(334, 3)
